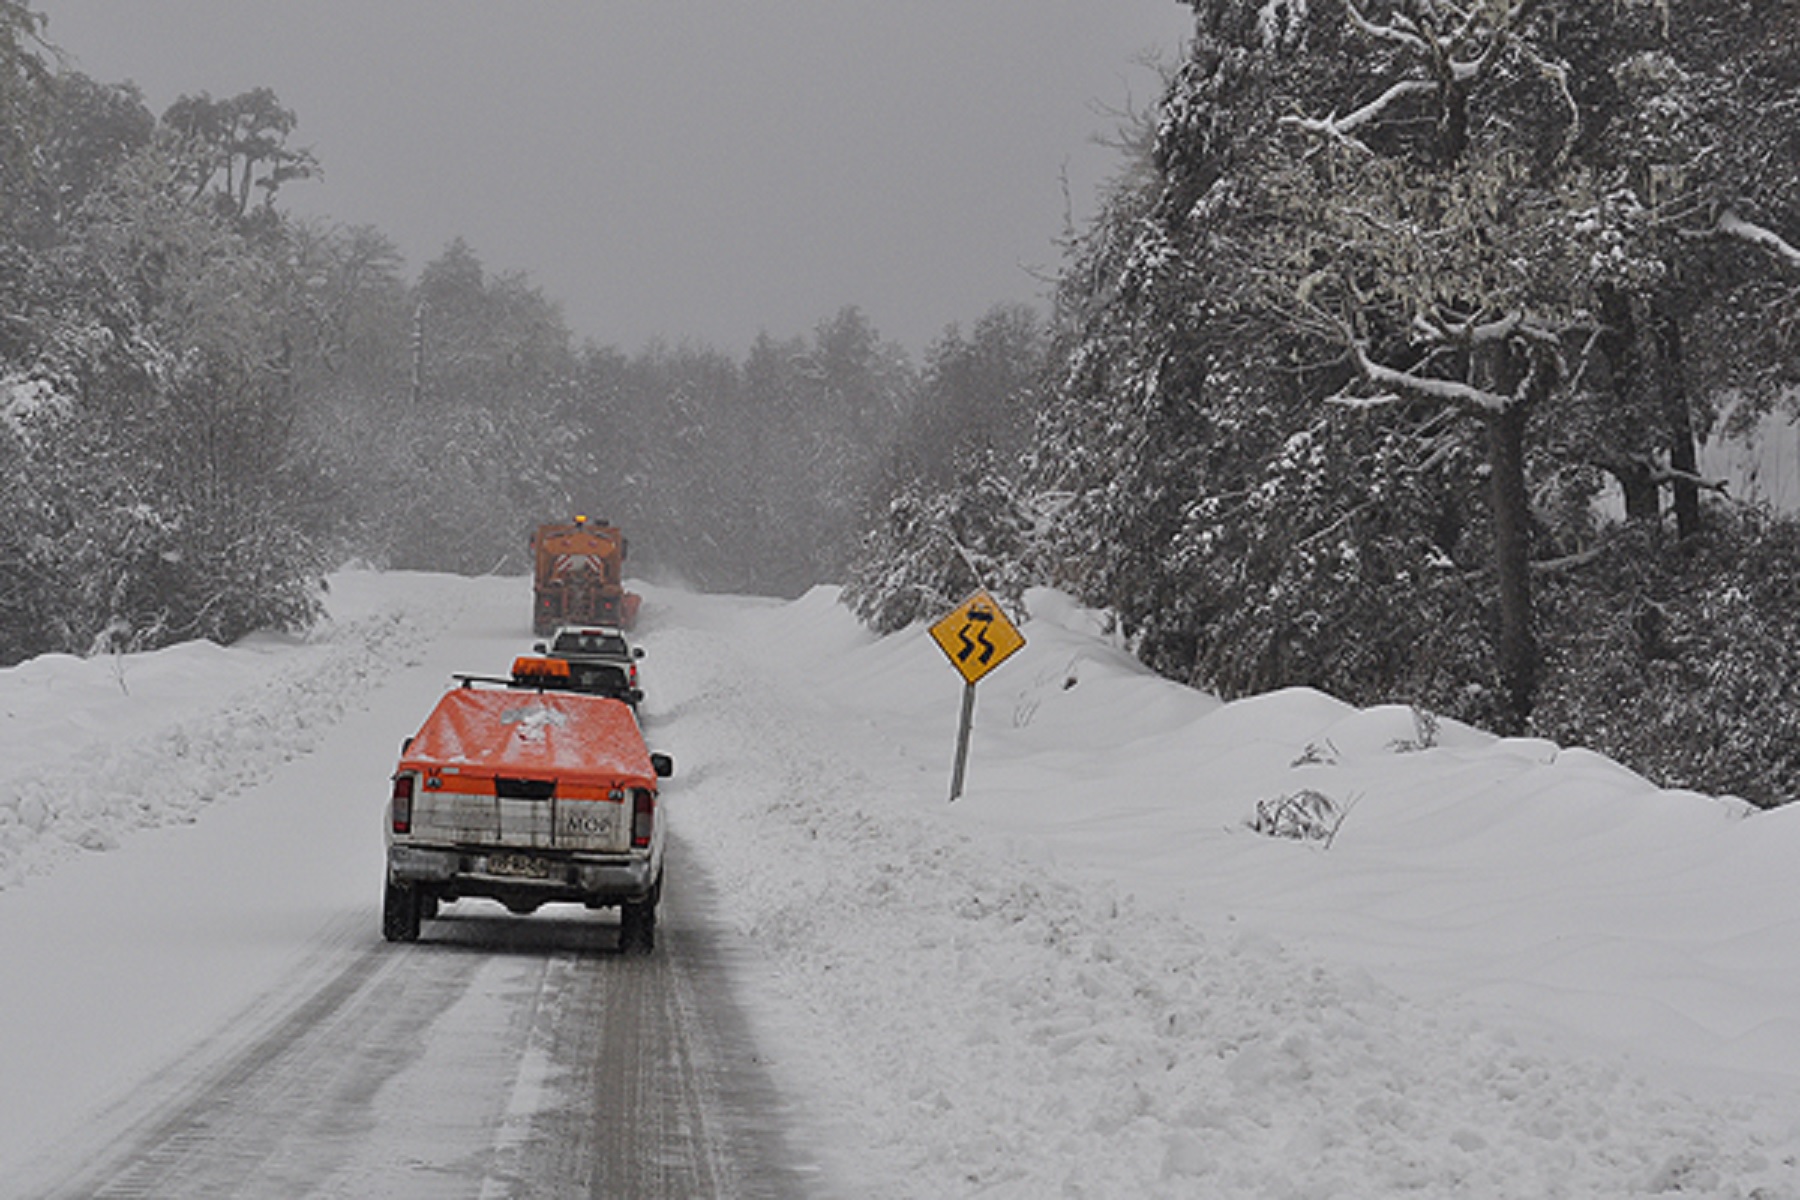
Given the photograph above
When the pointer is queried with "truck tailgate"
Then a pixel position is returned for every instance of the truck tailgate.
(523, 814)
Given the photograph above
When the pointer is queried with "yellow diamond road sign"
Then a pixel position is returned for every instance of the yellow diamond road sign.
(977, 636)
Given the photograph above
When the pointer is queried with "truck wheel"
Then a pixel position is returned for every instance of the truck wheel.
(637, 926)
(400, 912)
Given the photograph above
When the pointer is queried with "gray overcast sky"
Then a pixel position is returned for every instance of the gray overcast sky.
(678, 168)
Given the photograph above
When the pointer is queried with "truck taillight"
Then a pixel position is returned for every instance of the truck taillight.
(643, 818)
(402, 804)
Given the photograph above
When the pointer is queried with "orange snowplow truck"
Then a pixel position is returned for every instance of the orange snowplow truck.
(578, 576)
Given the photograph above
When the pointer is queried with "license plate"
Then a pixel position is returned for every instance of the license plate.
(520, 865)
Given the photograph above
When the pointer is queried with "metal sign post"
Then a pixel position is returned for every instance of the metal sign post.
(962, 740)
(976, 637)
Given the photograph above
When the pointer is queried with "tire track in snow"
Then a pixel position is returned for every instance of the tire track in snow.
(501, 1056)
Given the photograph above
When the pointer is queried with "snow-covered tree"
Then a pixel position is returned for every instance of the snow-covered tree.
(1410, 281)
(959, 512)
(157, 460)
(1435, 229)
(458, 454)
(25, 86)
(977, 392)
(234, 152)
(935, 544)
(204, 428)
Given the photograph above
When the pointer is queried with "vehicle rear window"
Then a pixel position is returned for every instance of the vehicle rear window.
(587, 643)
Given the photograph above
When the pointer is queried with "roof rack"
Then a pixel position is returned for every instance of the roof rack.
(541, 674)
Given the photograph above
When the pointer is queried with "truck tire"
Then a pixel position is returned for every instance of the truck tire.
(400, 914)
(637, 926)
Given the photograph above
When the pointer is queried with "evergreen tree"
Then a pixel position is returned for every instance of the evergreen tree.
(25, 89)
(959, 514)
(935, 545)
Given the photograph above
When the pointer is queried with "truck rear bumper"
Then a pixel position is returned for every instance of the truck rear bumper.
(504, 874)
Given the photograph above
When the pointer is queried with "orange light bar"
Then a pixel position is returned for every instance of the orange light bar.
(528, 667)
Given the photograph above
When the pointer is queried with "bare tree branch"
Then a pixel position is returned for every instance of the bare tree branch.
(1663, 473)
(1446, 390)
(1407, 38)
(1340, 127)
(1733, 226)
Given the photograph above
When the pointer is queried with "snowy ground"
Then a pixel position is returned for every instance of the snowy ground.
(1514, 970)
(1764, 468)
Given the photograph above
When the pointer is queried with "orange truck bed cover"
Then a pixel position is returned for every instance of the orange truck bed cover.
(578, 740)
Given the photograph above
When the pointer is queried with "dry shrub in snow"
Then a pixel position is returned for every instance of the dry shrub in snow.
(1304, 816)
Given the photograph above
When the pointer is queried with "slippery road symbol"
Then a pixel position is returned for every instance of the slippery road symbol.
(976, 637)
(978, 620)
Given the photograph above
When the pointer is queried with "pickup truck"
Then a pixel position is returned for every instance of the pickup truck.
(526, 794)
(600, 660)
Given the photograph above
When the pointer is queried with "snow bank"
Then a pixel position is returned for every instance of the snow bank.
(97, 747)
(1087, 978)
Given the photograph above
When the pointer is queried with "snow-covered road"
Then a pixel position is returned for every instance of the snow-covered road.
(499, 1058)
(209, 1009)
(1517, 971)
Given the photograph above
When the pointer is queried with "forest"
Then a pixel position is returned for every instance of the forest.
(1381, 368)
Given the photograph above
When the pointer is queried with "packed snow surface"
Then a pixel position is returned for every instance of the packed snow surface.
(1161, 946)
